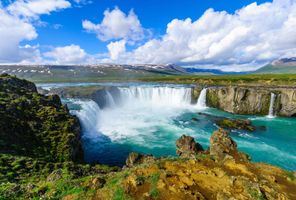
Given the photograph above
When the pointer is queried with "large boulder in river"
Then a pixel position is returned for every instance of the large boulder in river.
(222, 146)
(186, 146)
(237, 124)
(137, 159)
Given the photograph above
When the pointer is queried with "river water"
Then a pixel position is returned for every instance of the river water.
(148, 118)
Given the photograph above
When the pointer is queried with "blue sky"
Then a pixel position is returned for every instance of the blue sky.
(153, 14)
(229, 35)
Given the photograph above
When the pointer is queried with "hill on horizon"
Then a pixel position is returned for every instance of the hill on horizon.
(281, 66)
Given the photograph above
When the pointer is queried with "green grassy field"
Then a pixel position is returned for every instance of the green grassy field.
(59, 76)
(246, 79)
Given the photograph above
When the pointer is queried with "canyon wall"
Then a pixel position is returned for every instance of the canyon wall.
(252, 100)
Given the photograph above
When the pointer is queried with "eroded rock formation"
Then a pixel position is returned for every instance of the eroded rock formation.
(251, 100)
(186, 146)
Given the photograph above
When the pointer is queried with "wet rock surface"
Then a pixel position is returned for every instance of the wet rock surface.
(236, 124)
(186, 146)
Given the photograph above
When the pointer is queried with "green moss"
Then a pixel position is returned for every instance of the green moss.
(212, 99)
(237, 124)
(153, 185)
(290, 175)
(119, 195)
(195, 94)
(39, 136)
(256, 195)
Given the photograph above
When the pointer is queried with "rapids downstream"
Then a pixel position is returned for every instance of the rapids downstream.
(149, 119)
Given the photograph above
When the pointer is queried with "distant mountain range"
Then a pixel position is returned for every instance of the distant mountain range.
(211, 71)
(98, 72)
(281, 66)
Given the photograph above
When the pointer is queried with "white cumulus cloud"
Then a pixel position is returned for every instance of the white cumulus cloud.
(34, 8)
(71, 54)
(254, 34)
(116, 49)
(12, 32)
(116, 25)
(16, 26)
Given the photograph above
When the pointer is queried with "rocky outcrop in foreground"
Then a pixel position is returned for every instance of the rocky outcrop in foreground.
(35, 125)
(187, 147)
(40, 144)
(221, 172)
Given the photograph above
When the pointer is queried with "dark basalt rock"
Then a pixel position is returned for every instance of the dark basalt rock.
(186, 146)
(10, 82)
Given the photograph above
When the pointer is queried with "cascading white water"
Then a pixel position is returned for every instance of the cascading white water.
(202, 99)
(164, 96)
(89, 116)
(110, 100)
(271, 106)
(138, 111)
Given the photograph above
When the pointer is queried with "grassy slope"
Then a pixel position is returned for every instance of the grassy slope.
(276, 69)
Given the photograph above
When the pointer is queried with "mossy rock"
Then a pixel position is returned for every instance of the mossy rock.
(236, 124)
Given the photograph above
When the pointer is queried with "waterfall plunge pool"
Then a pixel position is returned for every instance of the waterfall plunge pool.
(150, 118)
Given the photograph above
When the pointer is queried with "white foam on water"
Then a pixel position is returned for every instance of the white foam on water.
(262, 147)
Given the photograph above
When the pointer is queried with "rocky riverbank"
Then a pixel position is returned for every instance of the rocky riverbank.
(220, 172)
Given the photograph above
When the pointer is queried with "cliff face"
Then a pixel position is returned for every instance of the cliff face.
(286, 104)
(99, 94)
(252, 100)
(35, 125)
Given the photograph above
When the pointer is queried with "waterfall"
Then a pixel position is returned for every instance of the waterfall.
(157, 96)
(109, 99)
(137, 115)
(202, 99)
(133, 109)
(89, 116)
(271, 106)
